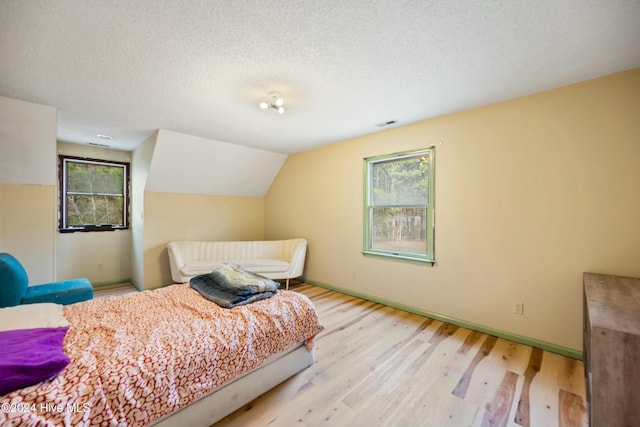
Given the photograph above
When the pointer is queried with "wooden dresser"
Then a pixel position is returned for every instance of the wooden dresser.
(612, 349)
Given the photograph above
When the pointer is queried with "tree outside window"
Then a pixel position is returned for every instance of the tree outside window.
(93, 194)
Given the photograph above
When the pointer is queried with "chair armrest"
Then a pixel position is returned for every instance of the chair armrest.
(296, 267)
(176, 261)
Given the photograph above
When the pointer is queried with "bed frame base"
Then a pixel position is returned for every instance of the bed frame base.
(232, 396)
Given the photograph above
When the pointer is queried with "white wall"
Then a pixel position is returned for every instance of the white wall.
(28, 186)
(141, 162)
(27, 142)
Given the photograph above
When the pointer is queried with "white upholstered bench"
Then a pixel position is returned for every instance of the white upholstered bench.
(275, 259)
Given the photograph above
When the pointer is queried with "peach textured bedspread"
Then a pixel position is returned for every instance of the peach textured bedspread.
(140, 356)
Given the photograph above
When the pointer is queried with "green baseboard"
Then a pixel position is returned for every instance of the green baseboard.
(532, 342)
(110, 283)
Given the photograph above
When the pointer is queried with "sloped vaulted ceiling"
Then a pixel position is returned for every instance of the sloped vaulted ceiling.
(188, 164)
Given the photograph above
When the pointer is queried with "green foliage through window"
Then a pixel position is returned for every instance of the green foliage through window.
(399, 205)
(93, 194)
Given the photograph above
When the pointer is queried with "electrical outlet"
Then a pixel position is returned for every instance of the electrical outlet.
(518, 307)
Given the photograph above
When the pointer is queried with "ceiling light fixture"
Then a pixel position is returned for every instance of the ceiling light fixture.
(276, 103)
(103, 136)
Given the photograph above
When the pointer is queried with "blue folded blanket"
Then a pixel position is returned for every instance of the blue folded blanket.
(230, 285)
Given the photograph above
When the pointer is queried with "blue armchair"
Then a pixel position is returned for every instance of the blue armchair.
(15, 289)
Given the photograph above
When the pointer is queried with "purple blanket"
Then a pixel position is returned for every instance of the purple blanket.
(28, 356)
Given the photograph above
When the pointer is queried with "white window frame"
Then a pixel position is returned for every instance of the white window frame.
(429, 254)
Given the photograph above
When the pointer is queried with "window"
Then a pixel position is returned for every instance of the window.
(399, 205)
(93, 195)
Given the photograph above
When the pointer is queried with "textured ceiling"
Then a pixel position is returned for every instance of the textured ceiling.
(200, 67)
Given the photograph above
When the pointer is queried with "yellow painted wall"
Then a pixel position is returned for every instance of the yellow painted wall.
(530, 193)
(101, 257)
(27, 186)
(28, 228)
(172, 216)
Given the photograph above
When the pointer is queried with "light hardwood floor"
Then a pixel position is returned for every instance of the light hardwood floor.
(378, 366)
(113, 290)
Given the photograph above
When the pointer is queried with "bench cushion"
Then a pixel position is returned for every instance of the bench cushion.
(256, 266)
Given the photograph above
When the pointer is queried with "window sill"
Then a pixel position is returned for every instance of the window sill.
(400, 257)
(91, 228)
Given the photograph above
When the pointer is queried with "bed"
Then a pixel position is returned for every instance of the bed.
(167, 357)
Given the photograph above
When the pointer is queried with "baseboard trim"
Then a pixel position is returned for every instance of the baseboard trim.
(110, 283)
(532, 342)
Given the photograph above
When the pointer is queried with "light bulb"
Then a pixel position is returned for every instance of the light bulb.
(279, 101)
(281, 110)
(264, 105)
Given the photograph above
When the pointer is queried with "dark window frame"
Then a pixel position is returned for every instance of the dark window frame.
(63, 226)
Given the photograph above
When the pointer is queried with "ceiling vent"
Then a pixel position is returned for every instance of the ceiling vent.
(389, 123)
(95, 144)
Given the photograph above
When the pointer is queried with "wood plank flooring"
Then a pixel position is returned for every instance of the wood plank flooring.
(113, 290)
(378, 366)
